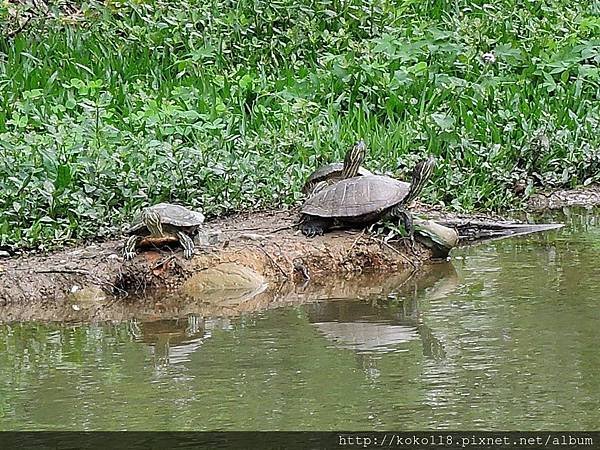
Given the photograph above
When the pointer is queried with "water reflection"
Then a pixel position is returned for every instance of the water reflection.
(508, 340)
(365, 336)
(373, 328)
(383, 326)
(172, 341)
(364, 326)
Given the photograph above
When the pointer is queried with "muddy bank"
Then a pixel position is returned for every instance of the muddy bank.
(258, 242)
(93, 305)
(586, 197)
(246, 254)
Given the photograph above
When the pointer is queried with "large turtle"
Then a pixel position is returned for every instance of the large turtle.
(333, 172)
(363, 200)
(164, 222)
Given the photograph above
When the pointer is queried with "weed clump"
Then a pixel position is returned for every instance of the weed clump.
(226, 105)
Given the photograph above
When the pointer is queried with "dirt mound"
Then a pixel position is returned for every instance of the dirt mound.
(266, 243)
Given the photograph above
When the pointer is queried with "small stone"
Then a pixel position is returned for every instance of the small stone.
(4, 254)
(76, 307)
(74, 289)
(113, 256)
(253, 236)
(206, 238)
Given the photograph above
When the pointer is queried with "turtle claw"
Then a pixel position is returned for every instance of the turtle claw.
(188, 245)
(311, 231)
(314, 227)
(127, 256)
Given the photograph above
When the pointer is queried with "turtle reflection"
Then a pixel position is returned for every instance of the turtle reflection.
(371, 331)
(361, 327)
(173, 341)
(373, 328)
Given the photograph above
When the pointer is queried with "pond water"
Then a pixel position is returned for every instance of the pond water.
(504, 338)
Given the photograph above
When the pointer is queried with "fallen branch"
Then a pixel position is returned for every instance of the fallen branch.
(394, 250)
(60, 270)
(275, 264)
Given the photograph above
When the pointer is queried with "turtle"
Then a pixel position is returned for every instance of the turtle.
(164, 222)
(363, 200)
(333, 172)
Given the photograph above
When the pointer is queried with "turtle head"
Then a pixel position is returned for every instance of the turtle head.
(354, 158)
(420, 175)
(151, 219)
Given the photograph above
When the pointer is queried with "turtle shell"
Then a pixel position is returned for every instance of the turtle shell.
(330, 172)
(175, 215)
(358, 198)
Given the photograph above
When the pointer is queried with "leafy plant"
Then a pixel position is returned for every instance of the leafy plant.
(227, 105)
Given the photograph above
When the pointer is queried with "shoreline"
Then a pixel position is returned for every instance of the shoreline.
(248, 259)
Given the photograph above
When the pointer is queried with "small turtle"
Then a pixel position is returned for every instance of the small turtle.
(333, 172)
(363, 200)
(163, 222)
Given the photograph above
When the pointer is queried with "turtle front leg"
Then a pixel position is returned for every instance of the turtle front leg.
(129, 248)
(405, 218)
(187, 243)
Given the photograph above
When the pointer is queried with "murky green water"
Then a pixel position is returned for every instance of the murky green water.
(508, 339)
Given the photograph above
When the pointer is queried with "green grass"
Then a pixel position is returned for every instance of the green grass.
(226, 105)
